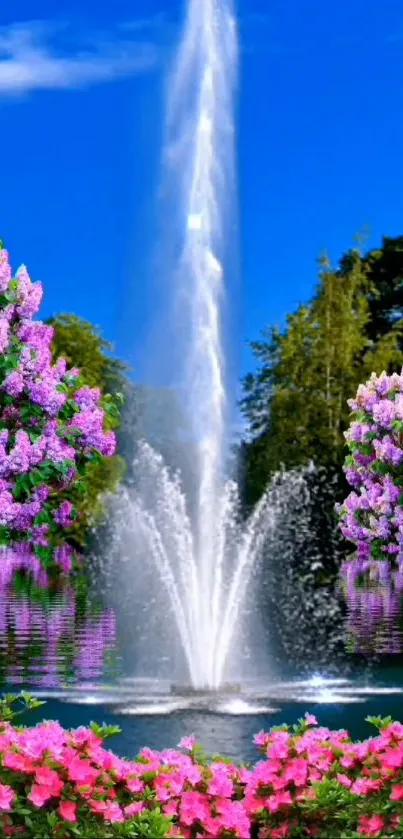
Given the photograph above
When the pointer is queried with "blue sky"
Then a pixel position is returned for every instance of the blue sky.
(320, 119)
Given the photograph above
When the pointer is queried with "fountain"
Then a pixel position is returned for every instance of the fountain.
(200, 549)
(156, 540)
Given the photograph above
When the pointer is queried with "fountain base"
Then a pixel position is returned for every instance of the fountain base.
(226, 689)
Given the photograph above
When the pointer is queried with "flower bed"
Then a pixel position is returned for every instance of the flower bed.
(310, 782)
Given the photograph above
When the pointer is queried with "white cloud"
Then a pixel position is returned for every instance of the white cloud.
(33, 57)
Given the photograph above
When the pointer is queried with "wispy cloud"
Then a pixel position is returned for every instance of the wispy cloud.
(39, 56)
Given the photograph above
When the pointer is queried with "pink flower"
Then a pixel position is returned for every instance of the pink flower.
(261, 739)
(187, 743)
(148, 754)
(397, 792)
(7, 796)
(213, 799)
(347, 762)
(67, 810)
(134, 809)
(171, 808)
(364, 786)
(393, 758)
(135, 785)
(344, 780)
(18, 762)
(279, 800)
(82, 771)
(280, 832)
(193, 774)
(279, 748)
(396, 729)
(371, 825)
(194, 807)
(113, 812)
(233, 817)
(39, 795)
(97, 806)
(48, 777)
(220, 784)
(212, 826)
(297, 771)
(162, 792)
(310, 719)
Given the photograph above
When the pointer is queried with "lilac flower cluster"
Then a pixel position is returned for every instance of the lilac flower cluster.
(372, 514)
(50, 424)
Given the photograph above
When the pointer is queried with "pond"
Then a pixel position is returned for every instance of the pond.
(63, 642)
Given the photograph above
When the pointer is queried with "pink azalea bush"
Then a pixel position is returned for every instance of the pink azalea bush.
(51, 425)
(310, 782)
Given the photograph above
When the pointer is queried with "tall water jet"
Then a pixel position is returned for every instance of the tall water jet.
(199, 155)
(201, 550)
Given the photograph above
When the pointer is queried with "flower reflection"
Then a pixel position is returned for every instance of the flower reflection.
(373, 590)
(49, 634)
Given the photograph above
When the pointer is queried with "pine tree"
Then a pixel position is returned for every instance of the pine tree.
(296, 402)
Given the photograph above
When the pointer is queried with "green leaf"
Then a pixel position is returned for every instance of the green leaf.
(379, 722)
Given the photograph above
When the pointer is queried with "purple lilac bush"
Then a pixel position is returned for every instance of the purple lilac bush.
(372, 514)
(51, 425)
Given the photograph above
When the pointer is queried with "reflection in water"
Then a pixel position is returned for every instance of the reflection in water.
(53, 636)
(374, 597)
(50, 634)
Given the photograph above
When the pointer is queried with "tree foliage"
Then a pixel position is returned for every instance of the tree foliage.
(384, 267)
(296, 401)
(82, 344)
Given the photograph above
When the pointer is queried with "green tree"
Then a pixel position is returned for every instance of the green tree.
(83, 346)
(384, 267)
(296, 402)
(297, 411)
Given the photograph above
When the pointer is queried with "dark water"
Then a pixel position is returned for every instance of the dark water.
(230, 735)
(60, 641)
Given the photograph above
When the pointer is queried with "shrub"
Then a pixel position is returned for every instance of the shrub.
(311, 782)
(372, 514)
(51, 426)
